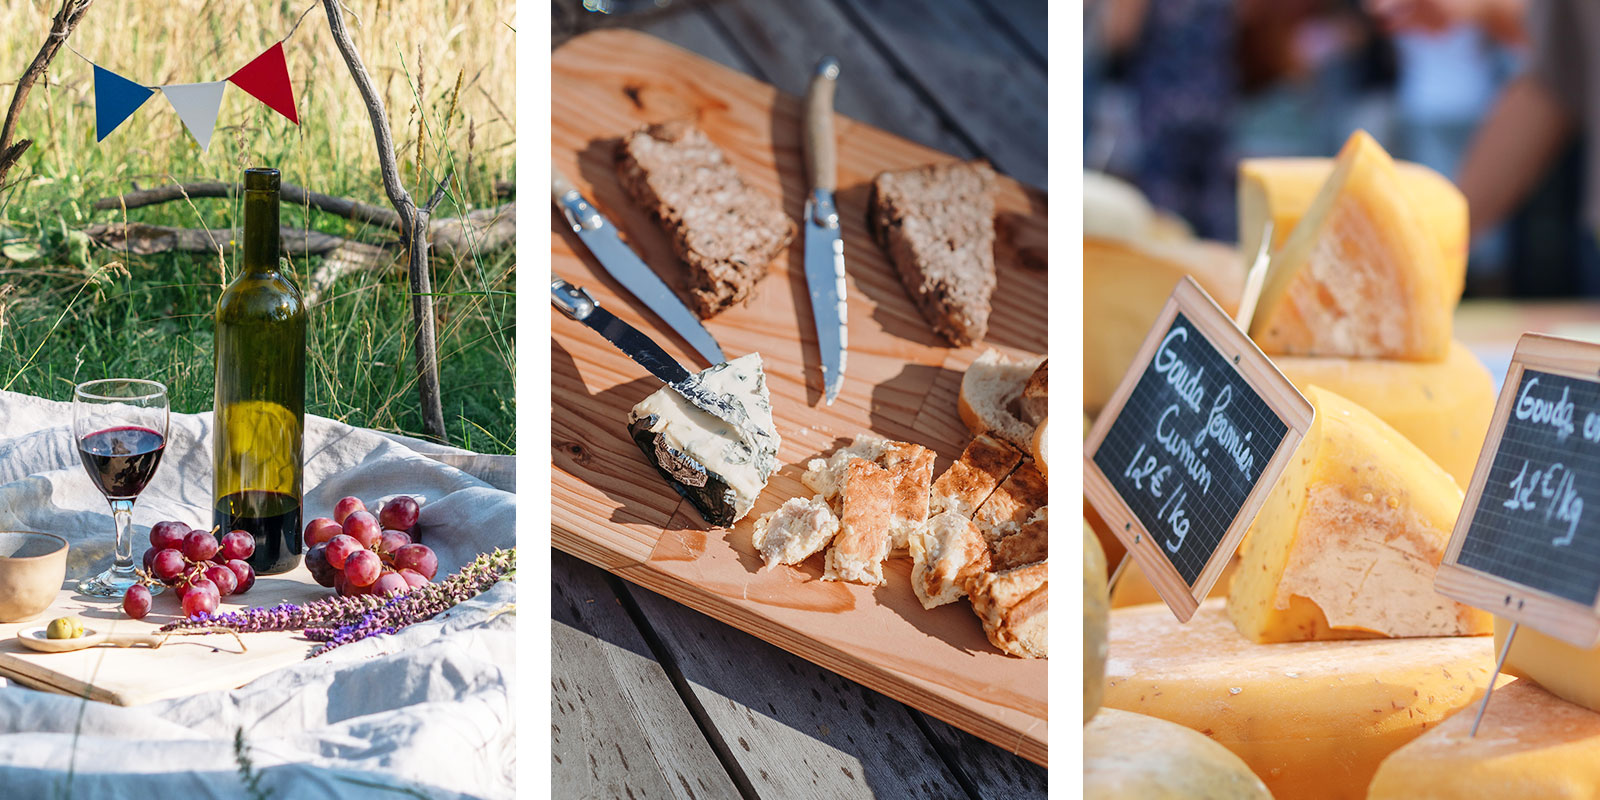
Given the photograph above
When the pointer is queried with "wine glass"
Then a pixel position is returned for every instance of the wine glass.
(120, 425)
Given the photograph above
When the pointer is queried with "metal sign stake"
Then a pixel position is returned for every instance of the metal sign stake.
(1498, 665)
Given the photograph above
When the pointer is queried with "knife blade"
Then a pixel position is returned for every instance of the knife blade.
(600, 236)
(579, 305)
(824, 249)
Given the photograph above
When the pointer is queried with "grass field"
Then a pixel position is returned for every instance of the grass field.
(71, 311)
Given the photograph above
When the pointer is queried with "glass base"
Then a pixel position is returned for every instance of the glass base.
(112, 583)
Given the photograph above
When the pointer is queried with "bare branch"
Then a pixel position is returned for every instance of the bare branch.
(290, 193)
(66, 20)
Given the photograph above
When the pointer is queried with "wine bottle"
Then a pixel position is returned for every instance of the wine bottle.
(260, 393)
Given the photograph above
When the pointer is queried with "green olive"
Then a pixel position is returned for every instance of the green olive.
(64, 628)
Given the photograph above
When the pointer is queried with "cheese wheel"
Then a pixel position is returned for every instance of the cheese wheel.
(1137, 757)
(1531, 744)
(1350, 538)
(1095, 612)
(1312, 719)
(1442, 407)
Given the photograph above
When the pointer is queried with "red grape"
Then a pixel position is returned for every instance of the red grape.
(413, 578)
(167, 565)
(202, 598)
(400, 513)
(391, 541)
(227, 582)
(417, 557)
(320, 530)
(339, 548)
(317, 562)
(341, 587)
(345, 507)
(361, 568)
(244, 575)
(238, 544)
(200, 546)
(363, 527)
(136, 602)
(390, 582)
(168, 534)
(149, 558)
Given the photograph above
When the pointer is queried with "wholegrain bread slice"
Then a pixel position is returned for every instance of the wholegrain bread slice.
(937, 225)
(946, 555)
(967, 483)
(864, 538)
(1014, 608)
(1013, 504)
(723, 229)
(991, 397)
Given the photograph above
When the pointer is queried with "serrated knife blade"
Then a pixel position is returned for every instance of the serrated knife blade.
(600, 236)
(824, 248)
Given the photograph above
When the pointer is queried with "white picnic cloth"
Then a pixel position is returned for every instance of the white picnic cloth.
(429, 710)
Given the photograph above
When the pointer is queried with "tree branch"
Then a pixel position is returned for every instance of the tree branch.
(291, 194)
(66, 20)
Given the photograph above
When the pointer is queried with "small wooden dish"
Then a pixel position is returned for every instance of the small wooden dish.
(35, 639)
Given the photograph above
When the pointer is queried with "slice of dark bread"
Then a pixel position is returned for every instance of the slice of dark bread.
(726, 231)
(937, 225)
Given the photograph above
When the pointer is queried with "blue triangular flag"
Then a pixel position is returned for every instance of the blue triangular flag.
(115, 99)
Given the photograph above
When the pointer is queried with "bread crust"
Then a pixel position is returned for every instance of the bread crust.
(946, 556)
(1010, 507)
(1014, 608)
(864, 537)
(967, 483)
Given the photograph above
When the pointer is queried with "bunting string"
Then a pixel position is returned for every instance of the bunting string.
(265, 77)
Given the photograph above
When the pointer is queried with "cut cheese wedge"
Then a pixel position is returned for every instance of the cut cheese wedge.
(1350, 538)
(1124, 287)
(1442, 407)
(1312, 719)
(1143, 758)
(1281, 190)
(1095, 613)
(1570, 673)
(1530, 744)
(1359, 276)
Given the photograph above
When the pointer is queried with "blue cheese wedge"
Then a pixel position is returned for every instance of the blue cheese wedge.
(794, 532)
(701, 456)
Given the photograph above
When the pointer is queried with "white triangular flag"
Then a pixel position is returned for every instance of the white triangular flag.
(197, 105)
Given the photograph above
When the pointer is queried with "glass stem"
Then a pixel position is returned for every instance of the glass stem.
(122, 511)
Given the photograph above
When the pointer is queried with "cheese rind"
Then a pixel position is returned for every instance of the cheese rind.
(1134, 756)
(1312, 719)
(1531, 744)
(1570, 673)
(1359, 275)
(1350, 538)
(1442, 407)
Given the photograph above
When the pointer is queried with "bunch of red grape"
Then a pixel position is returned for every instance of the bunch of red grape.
(195, 563)
(357, 552)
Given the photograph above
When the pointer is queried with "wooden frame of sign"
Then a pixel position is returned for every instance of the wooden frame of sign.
(1553, 608)
(1268, 403)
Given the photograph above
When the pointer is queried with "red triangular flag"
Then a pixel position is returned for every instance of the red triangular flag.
(267, 79)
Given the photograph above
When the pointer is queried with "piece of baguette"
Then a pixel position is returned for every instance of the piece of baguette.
(946, 555)
(1029, 544)
(1013, 504)
(991, 390)
(794, 531)
(912, 468)
(864, 539)
(1014, 608)
(983, 465)
(825, 476)
(723, 229)
(1041, 446)
(1035, 401)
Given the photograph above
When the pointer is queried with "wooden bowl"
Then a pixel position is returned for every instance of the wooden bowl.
(33, 567)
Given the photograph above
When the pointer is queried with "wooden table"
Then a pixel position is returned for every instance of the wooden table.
(652, 699)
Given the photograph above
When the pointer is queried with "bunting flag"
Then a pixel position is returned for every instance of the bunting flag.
(115, 99)
(197, 105)
(267, 79)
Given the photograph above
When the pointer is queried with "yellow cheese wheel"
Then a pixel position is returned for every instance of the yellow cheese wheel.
(1531, 744)
(1125, 284)
(1350, 538)
(1281, 190)
(1134, 757)
(1442, 407)
(1095, 611)
(1360, 275)
(1571, 673)
(1134, 587)
(1312, 719)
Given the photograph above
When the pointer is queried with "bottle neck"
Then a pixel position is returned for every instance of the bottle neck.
(260, 231)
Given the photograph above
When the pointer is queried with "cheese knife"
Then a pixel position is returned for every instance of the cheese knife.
(824, 249)
(579, 305)
(600, 236)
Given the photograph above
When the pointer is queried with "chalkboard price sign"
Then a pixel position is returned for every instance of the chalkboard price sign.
(1182, 457)
(1525, 545)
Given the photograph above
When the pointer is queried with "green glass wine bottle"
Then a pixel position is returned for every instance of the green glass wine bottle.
(260, 398)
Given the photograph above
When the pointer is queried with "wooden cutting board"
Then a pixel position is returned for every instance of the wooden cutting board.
(183, 666)
(612, 509)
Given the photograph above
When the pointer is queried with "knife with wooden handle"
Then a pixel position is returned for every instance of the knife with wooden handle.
(824, 249)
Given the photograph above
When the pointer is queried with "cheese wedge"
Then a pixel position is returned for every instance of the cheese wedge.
(1570, 673)
(1124, 287)
(1312, 719)
(1134, 587)
(1442, 407)
(1359, 276)
(1281, 190)
(1095, 614)
(1350, 538)
(1530, 744)
(1143, 758)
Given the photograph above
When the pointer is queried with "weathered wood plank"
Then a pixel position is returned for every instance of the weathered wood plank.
(618, 727)
(987, 770)
(995, 96)
(1026, 22)
(795, 729)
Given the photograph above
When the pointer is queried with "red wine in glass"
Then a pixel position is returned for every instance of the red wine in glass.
(121, 460)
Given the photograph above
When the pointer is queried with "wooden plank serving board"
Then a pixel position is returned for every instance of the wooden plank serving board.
(183, 666)
(609, 506)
